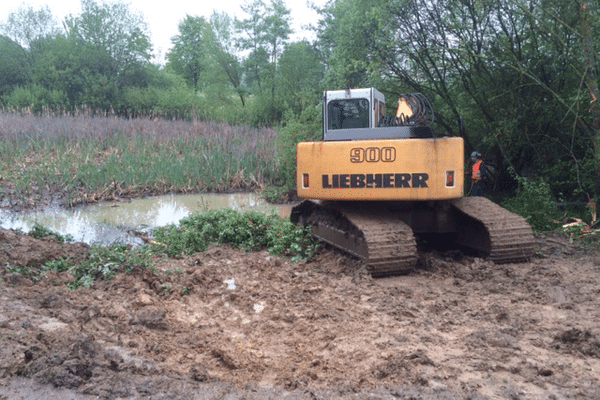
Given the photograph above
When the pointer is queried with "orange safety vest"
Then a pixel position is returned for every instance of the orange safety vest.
(476, 175)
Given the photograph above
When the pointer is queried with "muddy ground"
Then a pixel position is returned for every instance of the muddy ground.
(226, 324)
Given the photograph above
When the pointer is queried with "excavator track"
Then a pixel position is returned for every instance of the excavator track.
(380, 236)
(500, 235)
(386, 243)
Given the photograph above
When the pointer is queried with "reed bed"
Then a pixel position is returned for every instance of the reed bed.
(87, 158)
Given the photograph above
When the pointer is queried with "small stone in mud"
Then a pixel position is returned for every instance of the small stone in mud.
(225, 358)
(87, 346)
(297, 383)
(199, 373)
(573, 335)
(28, 355)
(60, 377)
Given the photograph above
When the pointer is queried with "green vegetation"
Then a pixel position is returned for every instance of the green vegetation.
(39, 230)
(247, 230)
(533, 201)
(103, 263)
(89, 158)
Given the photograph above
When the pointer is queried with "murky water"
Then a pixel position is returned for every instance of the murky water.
(110, 222)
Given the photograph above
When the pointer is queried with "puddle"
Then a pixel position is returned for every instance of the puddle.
(110, 222)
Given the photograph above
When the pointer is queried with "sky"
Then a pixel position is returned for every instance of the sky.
(163, 17)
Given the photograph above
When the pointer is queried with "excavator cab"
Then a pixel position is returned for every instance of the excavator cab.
(353, 114)
(351, 109)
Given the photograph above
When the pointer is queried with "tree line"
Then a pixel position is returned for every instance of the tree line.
(516, 78)
(101, 60)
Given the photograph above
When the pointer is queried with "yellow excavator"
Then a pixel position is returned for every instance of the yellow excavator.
(376, 181)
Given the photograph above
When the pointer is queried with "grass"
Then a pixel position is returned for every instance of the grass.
(87, 158)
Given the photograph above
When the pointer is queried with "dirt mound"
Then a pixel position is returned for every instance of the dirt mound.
(17, 249)
(229, 324)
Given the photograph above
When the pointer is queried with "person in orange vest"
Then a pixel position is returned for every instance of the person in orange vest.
(479, 175)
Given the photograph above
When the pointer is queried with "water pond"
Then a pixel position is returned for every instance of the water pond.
(109, 222)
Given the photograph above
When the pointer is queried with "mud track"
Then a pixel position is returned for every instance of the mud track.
(225, 324)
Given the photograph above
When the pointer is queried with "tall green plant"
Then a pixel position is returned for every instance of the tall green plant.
(534, 202)
(99, 157)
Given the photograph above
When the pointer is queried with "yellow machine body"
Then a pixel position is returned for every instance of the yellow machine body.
(381, 169)
(375, 182)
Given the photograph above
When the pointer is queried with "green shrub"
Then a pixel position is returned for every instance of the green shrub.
(39, 231)
(289, 239)
(103, 263)
(35, 98)
(248, 230)
(534, 202)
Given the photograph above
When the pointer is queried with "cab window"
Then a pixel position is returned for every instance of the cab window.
(348, 114)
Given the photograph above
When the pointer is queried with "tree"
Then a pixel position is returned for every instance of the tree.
(82, 74)
(277, 28)
(251, 30)
(204, 54)
(263, 34)
(14, 66)
(27, 25)
(251, 38)
(513, 69)
(276, 34)
(224, 52)
(266, 28)
(592, 84)
(27, 28)
(299, 77)
(104, 45)
(343, 38)
(191, 51)
(113, 30)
